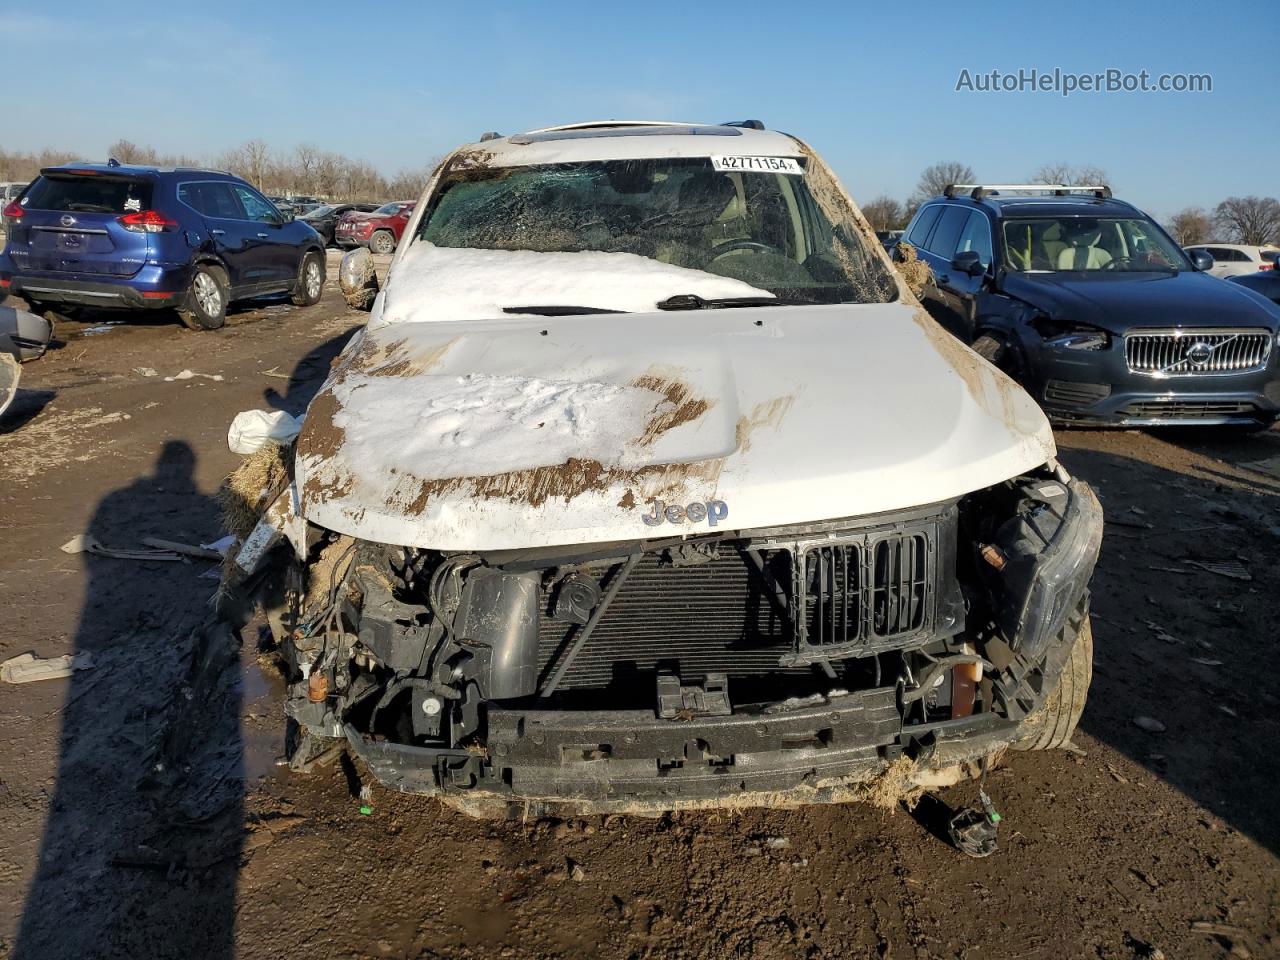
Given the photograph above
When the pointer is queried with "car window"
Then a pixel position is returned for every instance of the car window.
(1088, 244)
(976, 236)
(89, 194)
(947, 234)
(1269, 256)
(211, 198)
(919, 232)
(256, 206)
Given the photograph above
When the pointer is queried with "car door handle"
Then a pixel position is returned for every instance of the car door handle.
(264, 236)
(944, 279)
(217, 233)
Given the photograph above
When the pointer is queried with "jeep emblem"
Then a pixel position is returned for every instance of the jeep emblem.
(713, 511)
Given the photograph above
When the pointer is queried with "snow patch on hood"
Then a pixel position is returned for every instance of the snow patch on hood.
(446, 283)
(479, 424)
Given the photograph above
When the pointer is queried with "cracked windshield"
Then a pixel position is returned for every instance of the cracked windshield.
(765, 229)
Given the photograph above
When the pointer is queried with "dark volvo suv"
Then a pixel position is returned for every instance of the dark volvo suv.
(1095, 310)
(116, 236)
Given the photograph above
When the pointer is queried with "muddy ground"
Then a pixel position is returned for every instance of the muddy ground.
(1141, 844)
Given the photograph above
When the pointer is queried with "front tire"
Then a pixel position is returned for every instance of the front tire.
(205, 306)
(382, 242)
(309, 286)
(1054, 723)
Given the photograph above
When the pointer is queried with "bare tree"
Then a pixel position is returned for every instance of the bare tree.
(935, 178)
(304, 169)
(1069, 174)
(884, 213)
(307, 161)
(409, 184)
(126, 151)
(1192, 225)
(22, 166)
(1251, 220)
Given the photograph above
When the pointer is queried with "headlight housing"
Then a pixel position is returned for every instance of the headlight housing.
(1048, 549)
(1081, 340)
(1061, 335)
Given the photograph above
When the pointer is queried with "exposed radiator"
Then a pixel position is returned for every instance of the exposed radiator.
(860, 593)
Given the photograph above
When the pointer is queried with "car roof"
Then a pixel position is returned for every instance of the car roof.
(132, 170)
(1234, 246)
(1044, 206)
(634, 140)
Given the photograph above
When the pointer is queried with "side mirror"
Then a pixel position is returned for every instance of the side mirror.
(1201, 259)
(969, 262)
(358, 279)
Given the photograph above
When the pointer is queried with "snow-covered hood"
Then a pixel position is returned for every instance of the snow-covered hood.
(529, 432)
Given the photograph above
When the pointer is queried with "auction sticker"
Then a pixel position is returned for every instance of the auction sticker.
(787, 165)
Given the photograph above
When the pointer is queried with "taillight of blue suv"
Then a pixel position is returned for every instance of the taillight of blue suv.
(143, 221)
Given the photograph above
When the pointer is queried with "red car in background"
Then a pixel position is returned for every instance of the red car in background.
(379, 231)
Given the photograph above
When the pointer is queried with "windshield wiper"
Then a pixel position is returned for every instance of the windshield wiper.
(691, 301)
(569, 310)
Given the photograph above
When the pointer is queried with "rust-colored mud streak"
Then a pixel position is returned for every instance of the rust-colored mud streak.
(768, 413)
(564, 481)
(994, 392)
(681, 406)
(321, 441)
(397, 360)
(628, 500)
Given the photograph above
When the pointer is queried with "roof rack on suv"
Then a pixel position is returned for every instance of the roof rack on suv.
(979, 190)
(605, 124)
(745, 124)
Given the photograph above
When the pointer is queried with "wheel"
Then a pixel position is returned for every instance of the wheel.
(1053, 724)
(310, 283)
(205, 307)
(383, 241)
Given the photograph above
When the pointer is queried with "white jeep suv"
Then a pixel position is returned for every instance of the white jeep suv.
(649, 484)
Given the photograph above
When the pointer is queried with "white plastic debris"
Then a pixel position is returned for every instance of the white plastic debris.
(27, 667)
(145, 371)
(88, 543)
(223, 544)
(251, 430)
(190, 374)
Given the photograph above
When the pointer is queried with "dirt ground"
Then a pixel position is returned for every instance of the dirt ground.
(1142, 844)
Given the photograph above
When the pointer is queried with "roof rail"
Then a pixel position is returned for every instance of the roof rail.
(979, 190)
(745, 124)
(592, 124)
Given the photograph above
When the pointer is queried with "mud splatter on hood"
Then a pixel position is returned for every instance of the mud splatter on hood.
(526, 433)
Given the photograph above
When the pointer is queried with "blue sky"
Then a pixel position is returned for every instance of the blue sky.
(871, 86)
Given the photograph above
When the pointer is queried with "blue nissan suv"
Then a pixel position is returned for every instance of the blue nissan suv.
(1090, 305)
(116, 236)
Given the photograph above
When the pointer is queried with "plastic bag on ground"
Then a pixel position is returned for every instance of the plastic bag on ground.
(251, 430)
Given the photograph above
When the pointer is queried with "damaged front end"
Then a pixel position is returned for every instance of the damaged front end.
(780, 666)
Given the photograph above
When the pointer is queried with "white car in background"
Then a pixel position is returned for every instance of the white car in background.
(1238, 259)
